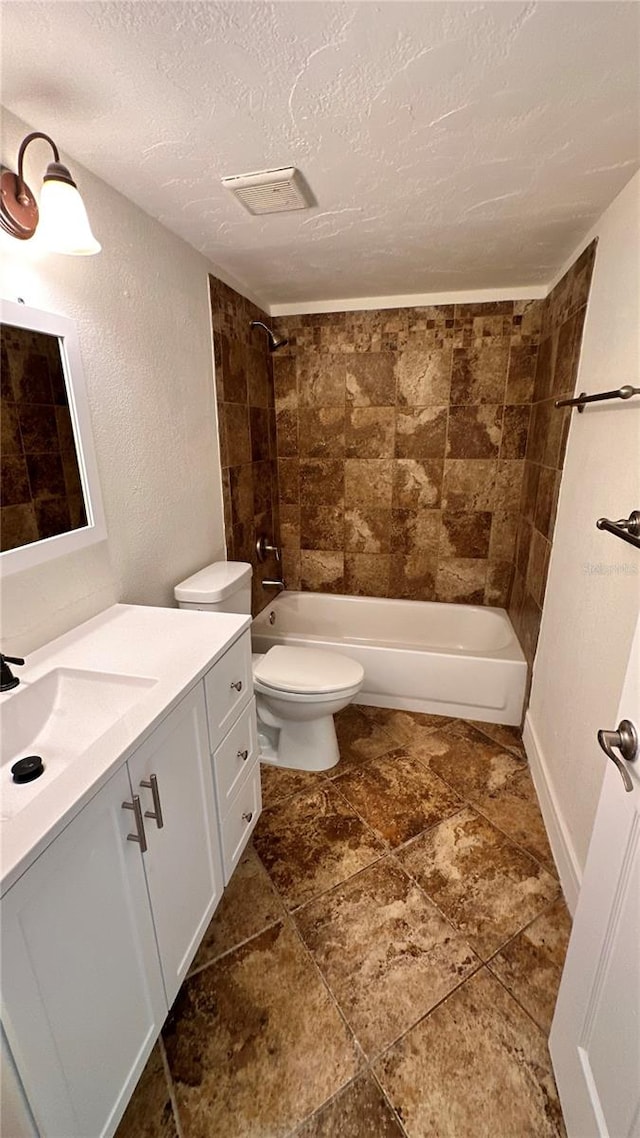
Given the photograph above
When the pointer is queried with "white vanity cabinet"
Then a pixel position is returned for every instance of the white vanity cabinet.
(82, 992)
(99, 933)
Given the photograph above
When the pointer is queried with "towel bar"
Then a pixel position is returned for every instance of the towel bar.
(579, 401)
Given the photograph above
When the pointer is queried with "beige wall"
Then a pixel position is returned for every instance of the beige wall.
(142, 311)
(593, 589)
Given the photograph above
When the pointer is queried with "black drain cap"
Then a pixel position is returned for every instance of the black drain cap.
(25, 770)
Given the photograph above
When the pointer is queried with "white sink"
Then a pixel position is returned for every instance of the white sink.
(58, 717)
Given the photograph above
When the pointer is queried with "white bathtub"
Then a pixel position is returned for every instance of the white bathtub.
(459, 660)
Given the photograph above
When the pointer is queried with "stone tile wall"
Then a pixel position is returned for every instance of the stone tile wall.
(410, 453)
(563, 316)
(401, 440)
(41, 488)
(247, 432)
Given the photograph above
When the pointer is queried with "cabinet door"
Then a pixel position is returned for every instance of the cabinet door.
(16, 1120)
(182, 862)
(82, 995)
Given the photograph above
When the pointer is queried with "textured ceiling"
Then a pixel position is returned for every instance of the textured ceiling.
(450, 146)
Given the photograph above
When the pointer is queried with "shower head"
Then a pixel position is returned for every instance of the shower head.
(274, 342)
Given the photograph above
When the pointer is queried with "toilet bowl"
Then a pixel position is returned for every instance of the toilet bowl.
(298, 690)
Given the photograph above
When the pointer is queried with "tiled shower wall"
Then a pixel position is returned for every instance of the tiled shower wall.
(401, 440)
(563, 315)
(247, 432)
(404, 452)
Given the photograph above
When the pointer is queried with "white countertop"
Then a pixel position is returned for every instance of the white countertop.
(175, 647)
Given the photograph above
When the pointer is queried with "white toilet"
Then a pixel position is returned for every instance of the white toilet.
(298, 690)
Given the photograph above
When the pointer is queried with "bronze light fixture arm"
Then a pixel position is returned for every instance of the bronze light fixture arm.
(18, 207)
(23, 193)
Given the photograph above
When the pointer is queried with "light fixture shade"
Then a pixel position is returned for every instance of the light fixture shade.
(64, 226)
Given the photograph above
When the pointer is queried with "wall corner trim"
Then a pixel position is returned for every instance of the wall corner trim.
(409, 300)
(562, 847)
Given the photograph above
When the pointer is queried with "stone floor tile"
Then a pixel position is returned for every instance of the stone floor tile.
(359, 738)
(514, 808)
(312, 842)
(358, 1111)
(530, 966)
(397, 796)
(385, 951)
(405, 726)
(487, 887)
(149, 1113)
(249, 904)
(255, 1043)
(509, 737)
(278, 783)
(476, 1067)
(471, 764)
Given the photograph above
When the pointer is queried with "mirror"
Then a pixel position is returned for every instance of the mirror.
(50, 500)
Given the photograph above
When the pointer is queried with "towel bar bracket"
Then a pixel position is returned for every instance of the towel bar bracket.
(628, 529)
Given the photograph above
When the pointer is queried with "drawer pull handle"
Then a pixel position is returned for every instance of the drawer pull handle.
(244, 755)
(139, 835)
(237, 685)
(246, 817)
(152, 784)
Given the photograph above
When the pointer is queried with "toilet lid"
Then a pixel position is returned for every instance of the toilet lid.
(307, 670)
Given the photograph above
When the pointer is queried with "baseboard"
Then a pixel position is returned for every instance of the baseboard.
(562, 847)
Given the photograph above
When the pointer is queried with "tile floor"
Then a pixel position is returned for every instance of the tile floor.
(385, 961)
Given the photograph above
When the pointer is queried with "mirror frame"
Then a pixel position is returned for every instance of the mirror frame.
(38, 552)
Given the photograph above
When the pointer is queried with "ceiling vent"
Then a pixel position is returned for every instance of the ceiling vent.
(270, 191)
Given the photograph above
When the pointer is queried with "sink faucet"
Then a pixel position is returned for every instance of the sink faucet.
(7, 678)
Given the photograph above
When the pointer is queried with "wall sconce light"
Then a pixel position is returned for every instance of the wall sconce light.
(62, 218)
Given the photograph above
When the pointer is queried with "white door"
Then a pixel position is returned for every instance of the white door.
(595, 1035)
(172, 773)
(82, 994)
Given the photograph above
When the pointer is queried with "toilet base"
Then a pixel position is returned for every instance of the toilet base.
(311, 745)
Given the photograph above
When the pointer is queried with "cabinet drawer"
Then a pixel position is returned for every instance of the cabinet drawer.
(235, 756)
(229, 687)
(240, 822)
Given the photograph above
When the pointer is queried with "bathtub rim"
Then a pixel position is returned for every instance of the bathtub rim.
(511, 652)
(458, 691)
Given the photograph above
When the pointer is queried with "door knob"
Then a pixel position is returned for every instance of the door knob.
(625, 740)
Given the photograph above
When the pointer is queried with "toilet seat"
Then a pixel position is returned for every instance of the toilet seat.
(306, 671)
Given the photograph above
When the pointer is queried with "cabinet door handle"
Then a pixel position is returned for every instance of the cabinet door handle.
(140, 835)
(152, 784)
(237, 685)
(244, 755)
(247, 816)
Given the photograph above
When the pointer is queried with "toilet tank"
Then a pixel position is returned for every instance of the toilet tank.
(224, 586)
